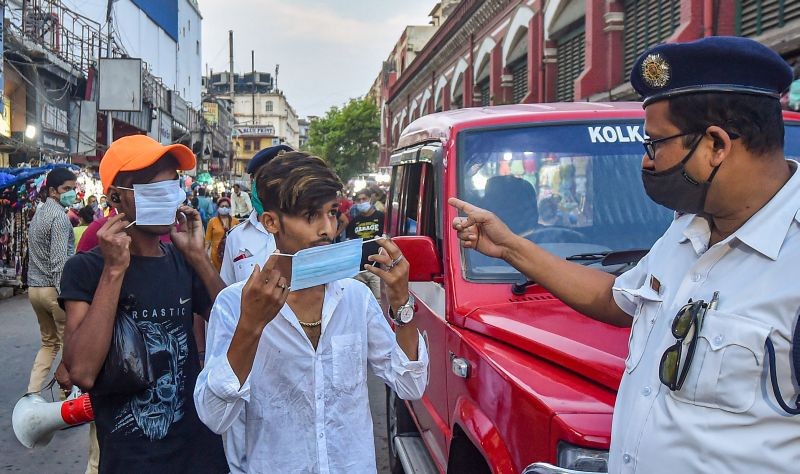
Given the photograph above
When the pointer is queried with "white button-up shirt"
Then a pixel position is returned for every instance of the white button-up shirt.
(724, 418)
(307, 411)
(241, 205)
(247, 244)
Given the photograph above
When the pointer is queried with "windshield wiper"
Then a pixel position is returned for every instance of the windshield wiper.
(519, 287)
(612, 257)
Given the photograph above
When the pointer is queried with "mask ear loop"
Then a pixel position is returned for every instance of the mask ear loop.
(380, 251)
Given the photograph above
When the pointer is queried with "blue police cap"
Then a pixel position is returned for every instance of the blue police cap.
(713, 64)
(263, 156)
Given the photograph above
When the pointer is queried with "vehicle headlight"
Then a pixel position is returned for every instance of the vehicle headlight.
(582, 459)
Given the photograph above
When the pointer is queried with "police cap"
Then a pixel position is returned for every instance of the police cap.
(263, 156)
(713, 64)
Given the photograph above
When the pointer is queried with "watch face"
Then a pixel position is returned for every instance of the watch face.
(406, 314)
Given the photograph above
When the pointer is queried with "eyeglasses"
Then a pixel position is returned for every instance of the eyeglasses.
(689, 317)
(650, 144)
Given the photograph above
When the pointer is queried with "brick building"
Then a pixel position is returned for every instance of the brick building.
(491, 52)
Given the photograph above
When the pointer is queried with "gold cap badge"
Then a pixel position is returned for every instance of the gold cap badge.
(655, 71)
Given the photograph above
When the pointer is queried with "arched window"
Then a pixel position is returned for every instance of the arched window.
(269, 106)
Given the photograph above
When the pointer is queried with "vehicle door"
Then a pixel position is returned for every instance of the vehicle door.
(416, 200)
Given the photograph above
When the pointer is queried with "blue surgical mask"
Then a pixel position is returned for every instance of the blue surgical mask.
(255, 200)
(157, 203)
(363, 206)
(321, 265)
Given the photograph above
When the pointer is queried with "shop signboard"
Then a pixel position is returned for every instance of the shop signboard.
(253, 130)
(165, 129)
(211, 112)
(5, 119)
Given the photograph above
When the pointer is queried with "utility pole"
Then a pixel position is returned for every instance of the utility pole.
(253, 82)
(276, 77)
(109, 118)
(230, 76)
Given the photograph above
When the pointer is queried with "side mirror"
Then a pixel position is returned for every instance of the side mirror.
(422, 256)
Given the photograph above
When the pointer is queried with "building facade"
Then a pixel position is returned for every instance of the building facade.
(527, 51)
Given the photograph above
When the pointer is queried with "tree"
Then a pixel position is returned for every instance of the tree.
(347, 137)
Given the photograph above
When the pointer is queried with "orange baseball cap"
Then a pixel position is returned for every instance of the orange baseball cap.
(136, 152)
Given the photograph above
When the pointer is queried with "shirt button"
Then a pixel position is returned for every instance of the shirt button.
(646, 391)
(696, 277)
(319, 396)
(321, 435)
(626, 459)
(718, 339)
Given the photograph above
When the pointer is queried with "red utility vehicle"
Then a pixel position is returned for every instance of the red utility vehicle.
(518, 381)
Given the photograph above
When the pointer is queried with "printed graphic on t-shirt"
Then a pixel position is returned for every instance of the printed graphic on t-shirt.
(153, 411)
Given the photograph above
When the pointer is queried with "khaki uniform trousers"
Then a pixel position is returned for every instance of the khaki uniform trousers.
(51, 326)
(372, 281)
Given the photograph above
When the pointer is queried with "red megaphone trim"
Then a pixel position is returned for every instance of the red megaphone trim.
(78, 410)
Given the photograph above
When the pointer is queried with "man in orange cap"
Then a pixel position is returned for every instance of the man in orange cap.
(160, 286)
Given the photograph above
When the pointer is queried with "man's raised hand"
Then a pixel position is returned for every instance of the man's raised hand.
(481, 230)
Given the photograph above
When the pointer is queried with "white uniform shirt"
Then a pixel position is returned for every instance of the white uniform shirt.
(307, 411)
(724, 418)
(247, 244)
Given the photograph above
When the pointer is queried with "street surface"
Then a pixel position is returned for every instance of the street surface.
(67, 452)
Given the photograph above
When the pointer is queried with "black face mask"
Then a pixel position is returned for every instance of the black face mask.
(673, 188)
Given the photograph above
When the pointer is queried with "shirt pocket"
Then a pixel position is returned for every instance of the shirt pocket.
(726, 370)
(243, 268)
(648, 305)
(348, 365)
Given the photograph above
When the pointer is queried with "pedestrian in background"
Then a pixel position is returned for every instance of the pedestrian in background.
(51, 242)
(217, 229)
(366, 225)
(87, 217)
(240, 203)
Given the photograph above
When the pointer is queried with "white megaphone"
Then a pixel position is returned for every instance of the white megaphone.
(35, 420)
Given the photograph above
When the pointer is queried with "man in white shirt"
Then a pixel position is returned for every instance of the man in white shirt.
(696, 395)
(241, 207)
(296, 362)
(249, 243)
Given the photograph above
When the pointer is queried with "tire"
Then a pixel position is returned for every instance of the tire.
(398, 422)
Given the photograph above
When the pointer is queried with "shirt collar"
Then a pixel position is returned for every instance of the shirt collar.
(334, 292)
(766, 230)
(253, 220)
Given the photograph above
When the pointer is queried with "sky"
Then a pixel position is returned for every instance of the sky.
(328, 51)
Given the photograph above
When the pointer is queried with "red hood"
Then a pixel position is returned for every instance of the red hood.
(543, 326)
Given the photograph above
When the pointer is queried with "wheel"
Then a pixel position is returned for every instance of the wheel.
(398, 422)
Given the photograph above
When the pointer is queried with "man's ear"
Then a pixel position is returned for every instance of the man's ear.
(271, 221)
(722, 143)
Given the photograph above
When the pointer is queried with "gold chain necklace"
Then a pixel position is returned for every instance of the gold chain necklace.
(310, 325)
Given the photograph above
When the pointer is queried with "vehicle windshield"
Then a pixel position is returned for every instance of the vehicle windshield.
(572, 188)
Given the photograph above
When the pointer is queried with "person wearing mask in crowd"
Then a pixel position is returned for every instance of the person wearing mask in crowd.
(102, 208)
(305, 395)
(240, 203)
(205, 205)
(51, 242)
(87, 217)
(218, 227)
(91, 202)
(366, 225)
(713, 307)
(154, 430)
(246, 245)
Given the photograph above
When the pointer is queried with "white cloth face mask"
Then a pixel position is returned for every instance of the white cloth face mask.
(321, 265)
(157, 203)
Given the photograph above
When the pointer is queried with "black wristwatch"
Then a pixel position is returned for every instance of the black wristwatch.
(405, 313)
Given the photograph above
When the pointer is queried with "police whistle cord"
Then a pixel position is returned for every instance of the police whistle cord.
(774, 379)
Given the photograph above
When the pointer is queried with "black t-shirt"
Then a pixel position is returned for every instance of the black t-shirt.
(366, 227)
(158, 429)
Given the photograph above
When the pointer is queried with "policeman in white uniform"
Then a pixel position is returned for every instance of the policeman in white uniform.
(249, 243)
(707, 386)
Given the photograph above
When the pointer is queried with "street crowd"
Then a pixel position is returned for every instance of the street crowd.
(257, 342)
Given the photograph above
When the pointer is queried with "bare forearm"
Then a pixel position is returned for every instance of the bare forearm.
(584, 289)
(208, 275)
(86, 347)
(408, 339)
(242, 351)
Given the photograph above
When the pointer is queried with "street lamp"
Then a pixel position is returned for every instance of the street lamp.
(30, 132)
